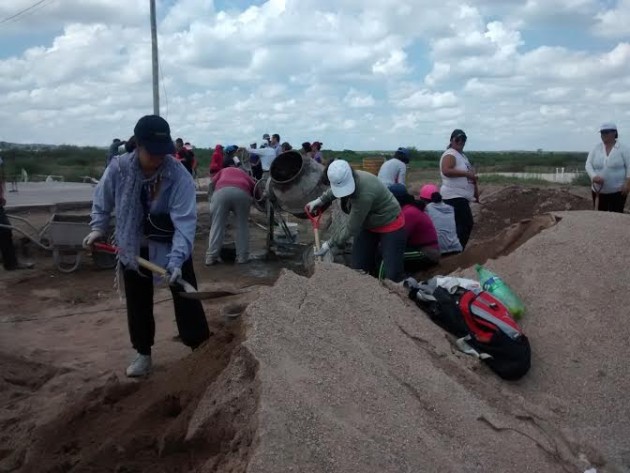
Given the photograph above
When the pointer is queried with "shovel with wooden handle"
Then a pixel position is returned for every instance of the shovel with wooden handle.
(144, 263)
(315, 219)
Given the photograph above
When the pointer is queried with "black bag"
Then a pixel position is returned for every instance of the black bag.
(159, 227)
(481, 322)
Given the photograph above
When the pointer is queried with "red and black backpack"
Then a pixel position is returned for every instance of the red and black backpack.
(481, 321)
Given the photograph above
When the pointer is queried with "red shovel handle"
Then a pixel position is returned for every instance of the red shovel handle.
(313, 218)
(105, 247)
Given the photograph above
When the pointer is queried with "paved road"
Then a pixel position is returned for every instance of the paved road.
(46, 194)
(30, 194)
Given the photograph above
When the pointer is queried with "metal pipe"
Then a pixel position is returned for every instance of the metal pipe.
(154, 54)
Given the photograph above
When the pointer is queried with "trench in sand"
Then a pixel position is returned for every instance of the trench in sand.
(200, 412)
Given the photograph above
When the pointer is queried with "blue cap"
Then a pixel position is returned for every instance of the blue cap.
(153, 133)
(402, 154)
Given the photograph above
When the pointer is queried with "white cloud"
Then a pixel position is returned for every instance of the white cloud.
(613, 23)
(424, 98)
(339, 71)
(356, 99)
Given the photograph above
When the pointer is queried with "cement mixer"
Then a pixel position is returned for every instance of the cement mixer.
(293, 181)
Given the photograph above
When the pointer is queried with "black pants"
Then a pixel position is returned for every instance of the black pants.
(614, 202)
(9, 259)
(257, 171)
(463, 218)
(365, 251)
(189, 315)
(419, 260)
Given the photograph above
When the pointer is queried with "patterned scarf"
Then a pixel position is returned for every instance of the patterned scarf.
(130, 214)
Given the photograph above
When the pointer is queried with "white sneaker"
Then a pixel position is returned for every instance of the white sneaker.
(140, 366)
(244, 260)
(211, 260)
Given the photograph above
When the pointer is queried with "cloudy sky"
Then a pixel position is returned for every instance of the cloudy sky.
(356, 74)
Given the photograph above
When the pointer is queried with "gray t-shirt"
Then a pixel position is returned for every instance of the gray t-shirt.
(392, 171)
(443, 218)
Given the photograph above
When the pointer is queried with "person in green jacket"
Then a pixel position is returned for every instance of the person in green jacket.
(375, 220)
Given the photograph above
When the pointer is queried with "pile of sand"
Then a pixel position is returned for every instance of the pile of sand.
(338, 373)
(354, 378)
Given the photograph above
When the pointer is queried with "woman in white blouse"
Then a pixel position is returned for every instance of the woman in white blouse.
(608, 166)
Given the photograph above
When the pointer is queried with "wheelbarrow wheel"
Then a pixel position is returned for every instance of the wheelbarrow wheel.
(67, 261)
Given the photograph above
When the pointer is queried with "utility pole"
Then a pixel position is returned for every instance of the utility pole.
(156, 69)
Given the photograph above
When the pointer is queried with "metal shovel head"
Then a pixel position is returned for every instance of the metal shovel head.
(203, 295)
(308, 259)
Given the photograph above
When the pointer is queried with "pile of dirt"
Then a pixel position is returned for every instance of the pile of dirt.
(501, 244)
(356, 378)
(197, 415)
(515, 203)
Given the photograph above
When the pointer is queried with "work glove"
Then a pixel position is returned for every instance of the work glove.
(93, 236)
(172, 275)
(323, 250)
(313, 205)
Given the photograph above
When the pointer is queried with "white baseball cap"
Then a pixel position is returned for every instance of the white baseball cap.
(340, 177)
(608, 126)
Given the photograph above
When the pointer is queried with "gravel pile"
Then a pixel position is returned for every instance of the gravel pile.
(354, 378)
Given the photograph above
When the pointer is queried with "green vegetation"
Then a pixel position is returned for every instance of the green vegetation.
(74, 162)
(581, 180)
(484, 161)
(71, 162)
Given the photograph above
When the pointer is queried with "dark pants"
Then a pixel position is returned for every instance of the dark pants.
(365, 251)
(614, 202)
(189, 315)
(257, 171)
(9, 259)
(418, 260)
(463, 218)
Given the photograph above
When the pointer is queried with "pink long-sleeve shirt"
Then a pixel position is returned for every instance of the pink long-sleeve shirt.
(233, 177)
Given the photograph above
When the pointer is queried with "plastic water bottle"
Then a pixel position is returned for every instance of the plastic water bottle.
(498, 288)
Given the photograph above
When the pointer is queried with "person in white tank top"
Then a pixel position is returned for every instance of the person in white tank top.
(458, 175)
(459, 184)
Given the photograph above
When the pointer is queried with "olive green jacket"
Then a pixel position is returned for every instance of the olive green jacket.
(372, 205)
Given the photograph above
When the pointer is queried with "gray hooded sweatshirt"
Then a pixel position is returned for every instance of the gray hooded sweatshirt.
(443, 217)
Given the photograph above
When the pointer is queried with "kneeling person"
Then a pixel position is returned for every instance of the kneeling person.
(422, 249)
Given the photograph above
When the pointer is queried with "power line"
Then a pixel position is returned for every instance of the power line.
(22, 12)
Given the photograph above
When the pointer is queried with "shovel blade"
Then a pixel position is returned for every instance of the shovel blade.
(203, 295)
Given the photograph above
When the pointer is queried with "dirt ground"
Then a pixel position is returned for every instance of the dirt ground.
(65, 403)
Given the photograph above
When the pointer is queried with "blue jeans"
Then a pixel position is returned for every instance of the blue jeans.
(365, 251)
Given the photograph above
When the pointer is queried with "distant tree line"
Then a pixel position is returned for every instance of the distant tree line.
(75, 162)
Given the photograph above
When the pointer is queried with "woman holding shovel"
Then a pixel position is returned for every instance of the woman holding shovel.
(376, 220)
(156, 216)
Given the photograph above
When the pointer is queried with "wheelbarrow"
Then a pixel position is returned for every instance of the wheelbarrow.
(66, 233)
